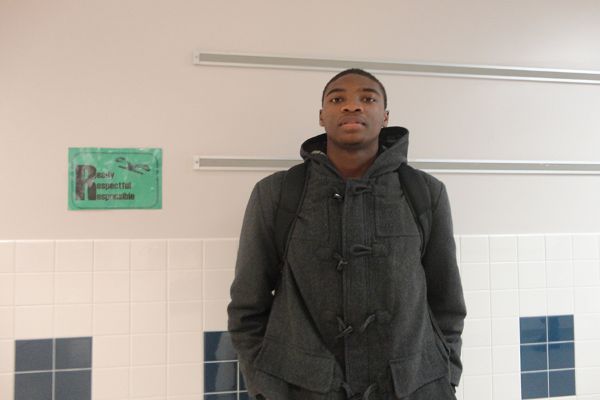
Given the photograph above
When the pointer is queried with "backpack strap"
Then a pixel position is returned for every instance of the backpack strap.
(419, 199)
(290, 198)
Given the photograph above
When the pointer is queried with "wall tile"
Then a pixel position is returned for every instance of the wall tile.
(507, 387)
(561, 355)
(110, 383)
(6, 323)
(111, 319)
(474, 249)
(559, 274)
(534, 357)
(531, 248)
(148, 286)
(7, 356)
(532, 275)
(475, 276)
(562, 383)
(586, 273)
(111, 255)
(73, 320)
(560, 301)
(532, 303)
(33, 322)
(215, 315)
(505, 331)
(34, 355)
(477, 361)
(184, 254)
(148, 254)
(586, 247)
(503, 249)
(504, 276)
(558, 247)
(74, 255)
(148, 349)
(506, 359)
(7, 382)
(220, 377)
(587, 354)
(148, 381)
(34, 256)
(534, 385)
(185, 285)
(148, 317)
(505, 303)
(587, 381)
(73, 353)
(217, 284)
(34, 289)
(220, 253)
(73, 385)
(587, 327)
(478, 387)
(185, 379)
(587, 300)
(72, 287)
(7, 289)
(111, 287)
(478, 304)
(34, 386)
(185, 348)
(218, 347)
(111, 351)
(185, 317)
(7, 256)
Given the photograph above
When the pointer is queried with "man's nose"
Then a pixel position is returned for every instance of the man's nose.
(353, 106)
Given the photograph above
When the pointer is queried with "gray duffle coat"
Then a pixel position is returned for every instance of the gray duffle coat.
(353, 311)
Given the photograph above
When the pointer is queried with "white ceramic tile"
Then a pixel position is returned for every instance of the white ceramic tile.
(33, 322)
(185, 285)
(111, 255)
(215, 315)
(560, 301)
(558, 247)
(148, 317)
(559, 274)
(111, 287)
(110, 383)
(506, 359)
(531, 248)
(217, 284)
(459, 392)
(184, 254)
(505, 303)
(74, 255)
(148, 254)
(185, 379)
(586, 273)
(586, 247)
(504, 276)
(6, 323)
(148, 381)
(185, 317)
(34, 256)
(476, 360)
(474, 249)
(111, 351)
(507, 387)
(503, 248)
(186, 348)
(532, 303)
(7, 256)
(148, 286)
(586, 381)
(478, 304)
(73, 320)
(478, 387)
(220, 253)
(7, 386)
(505, 331)
(148, 349)
(7, 356)
(111, 319)
(475, 276)
(587, 354)
(477, 332)
(73, 287)
(532, 275)
(587, 327)
(34, 289)
(587, 300)
(7, 292)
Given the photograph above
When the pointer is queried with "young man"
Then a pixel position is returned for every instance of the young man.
(356, 309)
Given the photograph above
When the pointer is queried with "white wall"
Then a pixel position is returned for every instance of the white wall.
(119, 74)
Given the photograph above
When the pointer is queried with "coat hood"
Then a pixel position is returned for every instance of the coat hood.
(393, 150)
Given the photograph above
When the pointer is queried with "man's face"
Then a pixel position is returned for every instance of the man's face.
(353, 113)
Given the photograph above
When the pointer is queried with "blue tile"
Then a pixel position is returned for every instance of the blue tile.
(533, 330)
(534, 386)
(33, 355)
(224, 396)
(73, 385)
(33, 386)
(561, 328)
(218, 347)
(245, 396)
(561, 355)
(562, 383)
(534, 357)
(220, 377)
(74, 353)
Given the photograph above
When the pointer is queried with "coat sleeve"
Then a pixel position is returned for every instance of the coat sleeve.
(256, 274)
(444, 288)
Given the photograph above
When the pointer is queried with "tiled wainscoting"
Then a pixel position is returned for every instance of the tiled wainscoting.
(147, 307)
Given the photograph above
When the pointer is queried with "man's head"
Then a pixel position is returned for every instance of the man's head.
(353, 110)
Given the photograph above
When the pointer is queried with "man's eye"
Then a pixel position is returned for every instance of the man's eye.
(369, 99)
(336, 100)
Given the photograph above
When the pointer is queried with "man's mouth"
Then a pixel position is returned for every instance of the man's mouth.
(352, 122)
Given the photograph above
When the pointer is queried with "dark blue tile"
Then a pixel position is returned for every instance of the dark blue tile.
(73, 385)
(534, 357)
(33, 386)
(534, 386)
(225, 396)
(72, 353)
(245, 396)
(220, 377)
(561, 328)
(33, 355)
(218, 347)
(562, 383)
(561, 355)
(533, 330)
(242, 381)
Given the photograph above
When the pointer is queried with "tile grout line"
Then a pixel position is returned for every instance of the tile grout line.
(129, 377)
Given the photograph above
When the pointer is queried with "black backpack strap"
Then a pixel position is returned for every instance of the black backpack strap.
(290, 198)
(419, 199)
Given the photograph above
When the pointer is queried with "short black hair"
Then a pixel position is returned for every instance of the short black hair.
(356, 71)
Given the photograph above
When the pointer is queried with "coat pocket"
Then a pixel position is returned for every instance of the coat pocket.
(296, 366)
(412, 372)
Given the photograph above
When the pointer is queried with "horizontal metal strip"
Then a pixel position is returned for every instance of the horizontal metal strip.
(444, 166)
(453, 70)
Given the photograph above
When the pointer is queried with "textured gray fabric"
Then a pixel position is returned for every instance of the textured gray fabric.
(351, 299)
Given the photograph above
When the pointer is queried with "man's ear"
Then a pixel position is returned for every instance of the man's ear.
(321, 118)
(386, 118)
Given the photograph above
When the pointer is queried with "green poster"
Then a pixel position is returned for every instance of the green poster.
(101, 178)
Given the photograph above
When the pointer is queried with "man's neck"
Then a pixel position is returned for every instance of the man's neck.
(352, 164)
